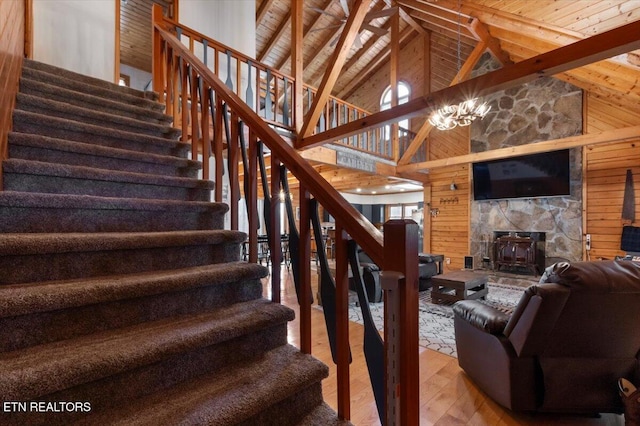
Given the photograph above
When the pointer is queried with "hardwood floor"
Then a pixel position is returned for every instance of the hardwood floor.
(447, 397)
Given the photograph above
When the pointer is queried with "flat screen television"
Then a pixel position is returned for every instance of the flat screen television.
(537, 175)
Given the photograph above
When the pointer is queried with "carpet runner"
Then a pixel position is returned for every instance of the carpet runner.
(122, 299)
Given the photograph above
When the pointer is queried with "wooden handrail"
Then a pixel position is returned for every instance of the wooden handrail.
(367, 235)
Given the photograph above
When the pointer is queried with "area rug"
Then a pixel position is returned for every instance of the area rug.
(436, 320)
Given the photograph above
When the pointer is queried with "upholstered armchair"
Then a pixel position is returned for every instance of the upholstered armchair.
(566, 344)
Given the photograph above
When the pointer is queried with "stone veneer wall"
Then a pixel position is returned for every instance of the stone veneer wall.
(545, 109)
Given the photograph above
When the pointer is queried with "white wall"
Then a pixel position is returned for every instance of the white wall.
(231, 22)
(78, 35)
(398, 198)
(138, 78)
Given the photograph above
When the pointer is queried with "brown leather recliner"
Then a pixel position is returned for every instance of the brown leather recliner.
(566, 344)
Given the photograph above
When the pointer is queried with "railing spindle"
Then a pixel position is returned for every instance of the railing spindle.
(217, 147)
(205, 141)
(342, 323)
(276, 244)
(232, 145)
(194, 114)
(252, 196)
(305, 271)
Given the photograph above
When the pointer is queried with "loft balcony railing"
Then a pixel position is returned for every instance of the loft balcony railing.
(216, 115)
(270, 93)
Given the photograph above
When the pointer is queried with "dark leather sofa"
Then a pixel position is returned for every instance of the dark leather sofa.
(565, 345)
(427, 268)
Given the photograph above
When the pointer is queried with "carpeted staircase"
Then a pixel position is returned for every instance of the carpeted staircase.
(122, 299)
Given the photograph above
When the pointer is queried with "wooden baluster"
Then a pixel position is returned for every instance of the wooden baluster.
(205, 141)
(276, 243)
(401, 237)
(168, 85)
(175, 80)
(342, 323)
(285, 105)
(267, 97)
(194, 114)
(233, 169)
(276, 97)
(248, 96)
(205, 52)
(238, 77)
(229, 81)
(305, 271)
(217, 148)
(253, 197)
(184, 93)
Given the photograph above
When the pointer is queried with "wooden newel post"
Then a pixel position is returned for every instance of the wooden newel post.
(401, 255)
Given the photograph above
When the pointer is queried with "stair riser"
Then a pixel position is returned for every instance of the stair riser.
(31, 219)
(289, 411)
(98, 120)
(100, 162)
(113, 391)
(34, 329)
(34, 88)
(80, 86)
(70, 185)
(60, 266)
(105, 139)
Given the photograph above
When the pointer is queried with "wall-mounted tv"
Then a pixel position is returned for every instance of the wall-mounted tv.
(537, 175)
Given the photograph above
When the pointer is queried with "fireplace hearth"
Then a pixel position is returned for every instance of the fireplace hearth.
(519, 252)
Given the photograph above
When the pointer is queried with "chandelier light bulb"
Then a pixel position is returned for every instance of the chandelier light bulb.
(463, 114)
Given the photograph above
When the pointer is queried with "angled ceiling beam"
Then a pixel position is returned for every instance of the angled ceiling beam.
(598, 47)
(262, 10)
(348, 36)
(463, 74)
(412, 22)
(316, 20)
(479, 30)
(275, 37)
(448, 29)
(373, 66)
(617, 135)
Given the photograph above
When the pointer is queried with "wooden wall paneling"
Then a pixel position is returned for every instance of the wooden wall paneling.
(12, 45)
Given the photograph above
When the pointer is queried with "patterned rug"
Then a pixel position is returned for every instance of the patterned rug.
(436, 320)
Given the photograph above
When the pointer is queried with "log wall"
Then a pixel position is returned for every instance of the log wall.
(12, 21)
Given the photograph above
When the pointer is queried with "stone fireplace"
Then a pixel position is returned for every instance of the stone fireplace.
(545, 109)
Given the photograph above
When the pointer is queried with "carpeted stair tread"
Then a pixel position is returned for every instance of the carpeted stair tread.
(85, 81)
(39, 370)
(14, 165)
(33, 87)
(323, 415)
(226, 397)
(67, 111)
(29, 122)
(88, 149)
(69, 201)
(21, 299)
(12, 244)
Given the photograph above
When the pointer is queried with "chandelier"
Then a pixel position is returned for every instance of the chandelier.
(464, 113)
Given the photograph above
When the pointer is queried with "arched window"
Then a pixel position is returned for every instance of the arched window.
(385, 103)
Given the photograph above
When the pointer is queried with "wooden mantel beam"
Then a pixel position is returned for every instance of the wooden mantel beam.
(598, 47)
(617, 135)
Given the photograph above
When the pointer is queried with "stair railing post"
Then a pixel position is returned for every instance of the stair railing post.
(305, 271)
(217, 147)
(156, 65)
(232, 145)
(252, 197)
(401, 256)
(342, 323)
(276, 243)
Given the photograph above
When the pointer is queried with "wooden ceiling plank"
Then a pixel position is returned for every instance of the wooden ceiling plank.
(446, 32)
(338, 58)
(275, 38)
(262, 11)
(479, 30)
(445, 25)
(412, 22)
(618, 135)
(450, 16)
(595, 48)
(372, 67)
(463, 74)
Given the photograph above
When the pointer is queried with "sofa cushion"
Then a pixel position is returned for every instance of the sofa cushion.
(481, 316)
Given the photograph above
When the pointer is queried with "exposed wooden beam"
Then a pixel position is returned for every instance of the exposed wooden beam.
(479, 30)
(412, 22)
(445, 28)
(262, 10)
(598, 47)
(618, 135)
(463, 74)
(316, 20)
(372, 67)
(348, 36)
(394, 65)
(275, 38)
(297, 61)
